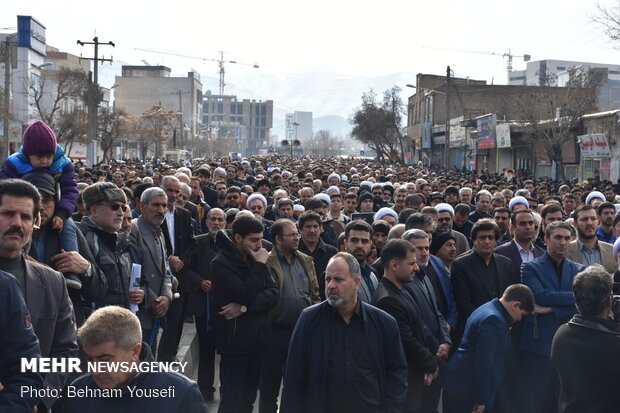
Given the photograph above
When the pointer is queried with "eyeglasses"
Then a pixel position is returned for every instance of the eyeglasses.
(115, 207)
(292, 235)
(232, 197)
(47, 202)
(256, 208)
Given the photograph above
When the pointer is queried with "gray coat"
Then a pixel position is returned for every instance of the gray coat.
(156, 277)
(51, 314)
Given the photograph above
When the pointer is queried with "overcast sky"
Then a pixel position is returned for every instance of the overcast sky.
(354, 38)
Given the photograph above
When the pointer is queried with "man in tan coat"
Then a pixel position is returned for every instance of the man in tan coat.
(296, 278)
(587, 249)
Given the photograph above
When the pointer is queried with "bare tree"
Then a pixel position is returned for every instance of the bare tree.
(553, 119)
(153, 127)
(322, 143)
(378, 125)
(58, 99)
(111, 127)
(609, 18)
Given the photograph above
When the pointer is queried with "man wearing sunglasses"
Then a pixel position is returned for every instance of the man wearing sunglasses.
(46, 248)
(105, 205)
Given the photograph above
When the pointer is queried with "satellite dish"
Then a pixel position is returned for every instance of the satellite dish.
(284, 143)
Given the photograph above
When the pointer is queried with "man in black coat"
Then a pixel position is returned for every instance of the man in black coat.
(585, 350)
(481, 275)
(180, 245)
(399, 260)
(244, 293)
(205, 312)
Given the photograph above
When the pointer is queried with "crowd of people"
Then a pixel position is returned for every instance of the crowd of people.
(324, 284)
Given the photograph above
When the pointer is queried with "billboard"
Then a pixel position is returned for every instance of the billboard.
(426, 135)
(502, 132)
(486, 131)
(31, 34)
(458, 134)
(594, 146)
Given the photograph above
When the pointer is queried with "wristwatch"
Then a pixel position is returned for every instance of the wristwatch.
(243, 309)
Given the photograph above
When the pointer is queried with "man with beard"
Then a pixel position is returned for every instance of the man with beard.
(465, 194)
(258, 205)
(445, 221)
(399, 199)
(483, 205)
(356, 364)
(244, 294)
(550, 278)
(606, 213)
(461, 222)
(358, 242)
(587, 249)
(427, 292)
(220, 188)
(350, 204)
(399, 259)
(451, 194)
(148, 249)
(366, 202)
(206, 250)
(210, 195)
(311, 244)
(443, 254)
(501, 216)
(296, 278)
(233, 198)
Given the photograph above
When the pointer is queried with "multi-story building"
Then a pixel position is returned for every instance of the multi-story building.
(25, 51)
(299, 125)
(471, 101)
(547, 72)
(139, 88)
(246, 122)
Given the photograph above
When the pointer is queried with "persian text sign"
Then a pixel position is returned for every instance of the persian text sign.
(594, 146)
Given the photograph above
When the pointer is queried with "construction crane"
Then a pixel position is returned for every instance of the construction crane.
(220, 61)
(509, 55)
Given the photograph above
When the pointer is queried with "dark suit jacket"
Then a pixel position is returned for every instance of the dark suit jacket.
(420, 360)
(195, 218)
(475, 371)
(470, 289)
(155, 276)
(51, 314)
(201, 303)
(549, 291)
(94, 286)
(185, 245)
(510, 251)
(210, 196)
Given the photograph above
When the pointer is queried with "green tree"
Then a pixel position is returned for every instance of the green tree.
(378, 125)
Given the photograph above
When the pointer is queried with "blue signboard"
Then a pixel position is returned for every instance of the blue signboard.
(426, 135)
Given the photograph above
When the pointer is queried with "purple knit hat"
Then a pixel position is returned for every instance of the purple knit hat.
(39, 138)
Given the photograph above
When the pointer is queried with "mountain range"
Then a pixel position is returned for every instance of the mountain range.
(331, 97)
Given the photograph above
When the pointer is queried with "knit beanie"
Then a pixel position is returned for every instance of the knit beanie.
(440, 238)
(39, 138)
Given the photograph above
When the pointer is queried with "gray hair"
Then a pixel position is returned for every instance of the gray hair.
(185, 171)
(396, 231)
(212, 210)
(414, 234)
(354, 266)
(465, 189)
(523, 192)
(306, 189)
(168, 178)
(280, 191)
(151, 193)
(186, 188)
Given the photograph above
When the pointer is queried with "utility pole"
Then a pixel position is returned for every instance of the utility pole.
(180, 93)
(447, 134)
(94, 97)
(7, 94)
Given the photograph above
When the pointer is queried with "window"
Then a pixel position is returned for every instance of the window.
(220, 107)
(233, 108)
